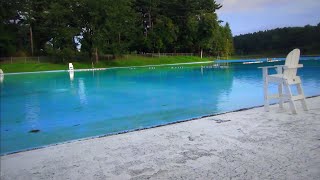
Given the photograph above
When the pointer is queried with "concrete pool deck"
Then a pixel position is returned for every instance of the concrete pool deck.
(249, 144)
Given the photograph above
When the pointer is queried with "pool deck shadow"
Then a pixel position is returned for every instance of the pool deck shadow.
(248, 144)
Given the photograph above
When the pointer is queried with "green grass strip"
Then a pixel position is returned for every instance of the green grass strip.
(125, 61)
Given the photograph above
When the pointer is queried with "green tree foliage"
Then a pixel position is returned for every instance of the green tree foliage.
(33, 17)
(12, 32)
(99, 27)
(224, 41)
(63, 27)
(279, 41)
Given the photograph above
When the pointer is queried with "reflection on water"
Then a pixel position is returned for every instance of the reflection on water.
(32, 110)
(82, 92)
(1, 77)
(71, 74)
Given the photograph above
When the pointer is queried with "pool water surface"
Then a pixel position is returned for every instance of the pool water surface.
(39, 109)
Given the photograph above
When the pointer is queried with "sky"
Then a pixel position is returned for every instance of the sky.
(248, 16)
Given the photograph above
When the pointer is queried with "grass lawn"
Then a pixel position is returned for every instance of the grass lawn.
(125, 61)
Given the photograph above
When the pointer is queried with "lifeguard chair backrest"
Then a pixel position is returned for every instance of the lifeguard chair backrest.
(292, 62)
(70, 66)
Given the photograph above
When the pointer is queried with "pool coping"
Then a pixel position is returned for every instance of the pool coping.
(139, 129)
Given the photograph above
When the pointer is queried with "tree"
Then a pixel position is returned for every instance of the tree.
(279, 41)
(33, 16)
(164, 33)
(12, 31)
(206, 30)
(120, 27)
(58, 28)
(226, 41)
(64, 27)
(107, 26)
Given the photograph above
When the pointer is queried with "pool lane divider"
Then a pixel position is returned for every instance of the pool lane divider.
(201, 62)
(141, 129)
(101, 69)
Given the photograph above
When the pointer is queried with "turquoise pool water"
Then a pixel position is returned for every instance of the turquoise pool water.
(58, 108)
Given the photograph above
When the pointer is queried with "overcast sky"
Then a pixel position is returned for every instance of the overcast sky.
(247, 16)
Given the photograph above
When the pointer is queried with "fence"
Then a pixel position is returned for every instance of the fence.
(166, 54)
(31, 59)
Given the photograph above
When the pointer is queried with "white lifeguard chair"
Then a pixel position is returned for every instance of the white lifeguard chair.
(71, 67)
(285, 77)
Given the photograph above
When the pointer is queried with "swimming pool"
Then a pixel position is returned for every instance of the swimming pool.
(39, 109)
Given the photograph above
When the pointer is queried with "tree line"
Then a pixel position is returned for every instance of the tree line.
(280, 41)
(65, 28)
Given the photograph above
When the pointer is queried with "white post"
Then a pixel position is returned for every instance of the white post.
(303, 100)
(291, 102)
